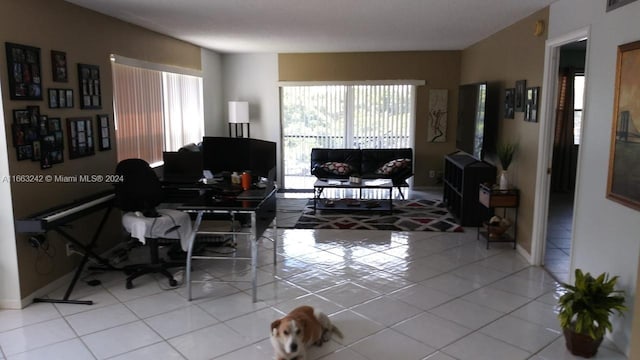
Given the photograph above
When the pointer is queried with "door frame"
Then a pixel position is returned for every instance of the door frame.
(546, 137)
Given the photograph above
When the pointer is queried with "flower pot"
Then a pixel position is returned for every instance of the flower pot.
(580, 344)
(504, 181)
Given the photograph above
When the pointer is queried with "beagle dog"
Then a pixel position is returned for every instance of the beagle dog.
(299, 329)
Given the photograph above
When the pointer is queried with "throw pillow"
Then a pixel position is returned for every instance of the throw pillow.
(336, 168)
(393, 166)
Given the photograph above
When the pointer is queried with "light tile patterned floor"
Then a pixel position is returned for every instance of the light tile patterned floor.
(418, 295)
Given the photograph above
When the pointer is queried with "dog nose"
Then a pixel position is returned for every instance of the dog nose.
(294, 347)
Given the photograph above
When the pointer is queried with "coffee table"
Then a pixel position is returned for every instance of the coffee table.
(352, 204)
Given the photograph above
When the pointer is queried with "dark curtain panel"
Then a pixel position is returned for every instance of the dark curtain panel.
(563, 171)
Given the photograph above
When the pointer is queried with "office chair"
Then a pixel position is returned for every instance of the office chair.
(137, 195)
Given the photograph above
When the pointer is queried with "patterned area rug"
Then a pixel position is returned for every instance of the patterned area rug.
(408, 215)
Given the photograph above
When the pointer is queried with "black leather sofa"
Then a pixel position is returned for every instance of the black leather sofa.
(395, 164)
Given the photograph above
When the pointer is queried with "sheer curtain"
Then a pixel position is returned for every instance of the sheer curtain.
(137, 98)
(183, 110)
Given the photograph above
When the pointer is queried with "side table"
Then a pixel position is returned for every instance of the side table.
(494, 198)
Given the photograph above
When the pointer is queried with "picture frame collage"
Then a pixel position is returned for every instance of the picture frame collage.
(38, 137)
(521, 99)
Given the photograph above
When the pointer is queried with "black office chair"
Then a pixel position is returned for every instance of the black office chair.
(138, 194)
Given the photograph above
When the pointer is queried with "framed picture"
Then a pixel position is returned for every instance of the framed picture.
(54, 125)
(23, 64)
(21, 117)
(104, 135)
(89, 86)
(520, 93)
(509, 111)
(60, 98)
(59, 66)
(25, 152)
(36, 150)
(531, 106)
(624, 156)
(614, 4)
(80, 133)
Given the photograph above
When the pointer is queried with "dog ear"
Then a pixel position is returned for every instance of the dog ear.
(274, 327)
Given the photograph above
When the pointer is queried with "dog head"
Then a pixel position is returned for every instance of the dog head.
(287, 337)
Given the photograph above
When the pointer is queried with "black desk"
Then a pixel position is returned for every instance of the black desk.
(262, 213)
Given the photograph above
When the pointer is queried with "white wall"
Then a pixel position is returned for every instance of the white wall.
(606, 237)
(212, 92)
(9, 280)
(254, 78)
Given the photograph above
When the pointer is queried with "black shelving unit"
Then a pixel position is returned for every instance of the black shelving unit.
(462, 176)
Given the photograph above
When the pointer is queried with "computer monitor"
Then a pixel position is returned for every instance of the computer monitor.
(262, 157)
(222, 154)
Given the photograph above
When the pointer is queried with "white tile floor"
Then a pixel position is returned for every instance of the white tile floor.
(395, 295)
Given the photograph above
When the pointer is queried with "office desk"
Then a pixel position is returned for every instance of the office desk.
(262, 213)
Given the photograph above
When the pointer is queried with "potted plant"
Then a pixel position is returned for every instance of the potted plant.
(505, 152)
(584, 311)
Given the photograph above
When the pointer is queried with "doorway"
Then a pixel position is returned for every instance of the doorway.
(565, 115)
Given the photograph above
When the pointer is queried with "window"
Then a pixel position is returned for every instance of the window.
(155, 110)
(342, 116)
(578, 99)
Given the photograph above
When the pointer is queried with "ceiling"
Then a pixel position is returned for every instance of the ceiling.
(280, 26)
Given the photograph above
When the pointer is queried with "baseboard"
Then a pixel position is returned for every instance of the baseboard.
(47, 289)
(524, 254)
(7, 304)
(62, 281)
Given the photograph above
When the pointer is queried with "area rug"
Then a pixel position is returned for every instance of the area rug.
(408, 215)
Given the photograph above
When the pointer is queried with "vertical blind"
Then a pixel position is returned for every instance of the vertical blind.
(343, 116)
(137, 99)
(155, 111)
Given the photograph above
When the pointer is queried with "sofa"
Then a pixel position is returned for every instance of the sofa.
(395, 164)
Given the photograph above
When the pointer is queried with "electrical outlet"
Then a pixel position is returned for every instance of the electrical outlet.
(71, 249)
(432, 173)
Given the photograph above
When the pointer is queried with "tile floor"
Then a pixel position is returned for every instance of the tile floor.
(395, 295)
(558, 246)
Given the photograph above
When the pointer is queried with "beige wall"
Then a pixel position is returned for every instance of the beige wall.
(505, 57)
(440, 70)
(86, 37)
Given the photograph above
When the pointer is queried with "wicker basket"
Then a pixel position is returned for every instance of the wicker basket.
(496, 231)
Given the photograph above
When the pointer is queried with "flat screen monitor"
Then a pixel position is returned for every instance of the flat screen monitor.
(222, 154)
(263, 157)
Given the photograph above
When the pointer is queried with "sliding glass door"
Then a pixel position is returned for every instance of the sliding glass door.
(341, 116)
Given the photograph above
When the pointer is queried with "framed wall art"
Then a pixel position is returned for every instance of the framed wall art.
(51, 143)
(624, 156)
(509, 110)
(23, 64)
(104, 135)
(520, 93)
(437, 130)
(614, 4)
(60, 98)
(59, 66)
(80, 133)
(89, 86)
(531, 105)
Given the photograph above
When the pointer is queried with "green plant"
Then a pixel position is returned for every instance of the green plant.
(505, 152)
(586, 306)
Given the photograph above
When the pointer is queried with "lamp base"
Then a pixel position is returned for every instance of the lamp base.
(239, 131)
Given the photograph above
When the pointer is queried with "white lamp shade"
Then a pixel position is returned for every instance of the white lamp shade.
(238, 112)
